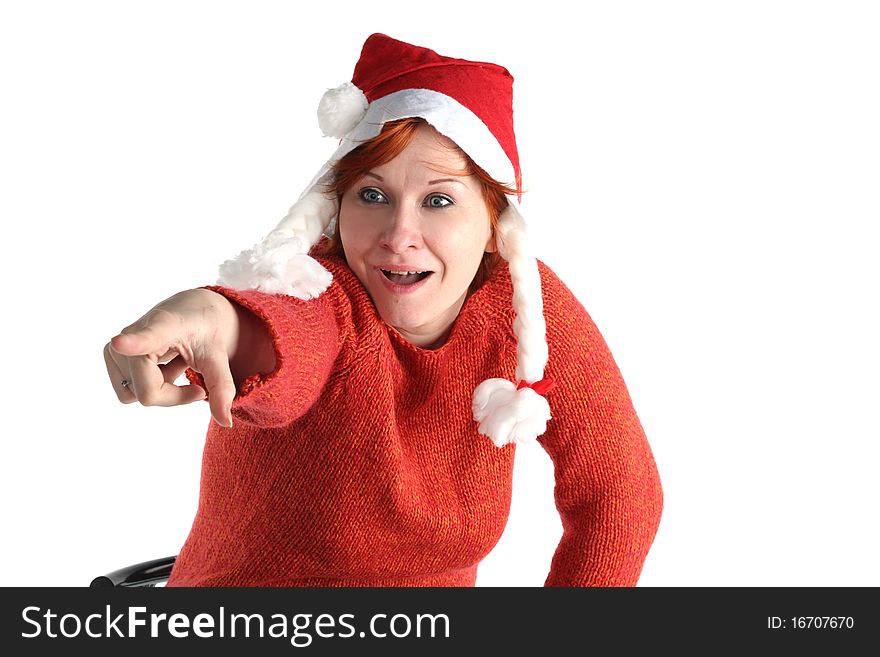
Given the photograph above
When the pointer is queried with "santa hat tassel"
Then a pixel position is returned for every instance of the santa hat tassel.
(507, 413)
(280, 264)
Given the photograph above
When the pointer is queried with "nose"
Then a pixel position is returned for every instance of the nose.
(402, 231)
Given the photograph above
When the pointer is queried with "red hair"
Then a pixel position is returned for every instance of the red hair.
(388, 144)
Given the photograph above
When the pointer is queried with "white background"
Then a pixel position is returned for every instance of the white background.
(704, 175)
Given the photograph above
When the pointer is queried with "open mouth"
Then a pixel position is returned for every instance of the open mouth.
(405, 277)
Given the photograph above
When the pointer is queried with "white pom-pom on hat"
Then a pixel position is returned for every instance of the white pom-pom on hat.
(341, 109)
(507, 415)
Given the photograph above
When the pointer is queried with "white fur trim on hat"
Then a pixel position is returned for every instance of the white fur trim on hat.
(505, 414)
(449, 118)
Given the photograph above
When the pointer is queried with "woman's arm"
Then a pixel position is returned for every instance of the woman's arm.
(284, 356)
(608, 490)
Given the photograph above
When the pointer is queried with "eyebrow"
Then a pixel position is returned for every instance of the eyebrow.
(430, 182)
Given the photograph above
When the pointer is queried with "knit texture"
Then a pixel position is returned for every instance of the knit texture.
(357, 462)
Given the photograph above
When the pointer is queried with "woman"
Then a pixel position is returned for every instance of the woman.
(368, 390)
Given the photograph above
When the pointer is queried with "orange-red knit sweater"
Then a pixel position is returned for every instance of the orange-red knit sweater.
(357, 462)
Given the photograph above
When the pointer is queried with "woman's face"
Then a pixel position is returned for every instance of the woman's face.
(415, 235)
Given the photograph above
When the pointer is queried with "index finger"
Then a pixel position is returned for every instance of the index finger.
(154, 333)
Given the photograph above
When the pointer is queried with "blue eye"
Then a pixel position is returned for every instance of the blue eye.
(438, 201)
(372, 195)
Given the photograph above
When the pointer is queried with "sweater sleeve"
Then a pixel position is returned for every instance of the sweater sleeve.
(306, 339)
(607, 487)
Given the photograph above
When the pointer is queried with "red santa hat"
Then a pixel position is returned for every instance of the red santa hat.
(471, 103)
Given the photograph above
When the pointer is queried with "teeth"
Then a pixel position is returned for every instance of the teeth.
(403, 273)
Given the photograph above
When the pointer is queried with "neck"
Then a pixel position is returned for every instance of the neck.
(434, 335)
(430, 340)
